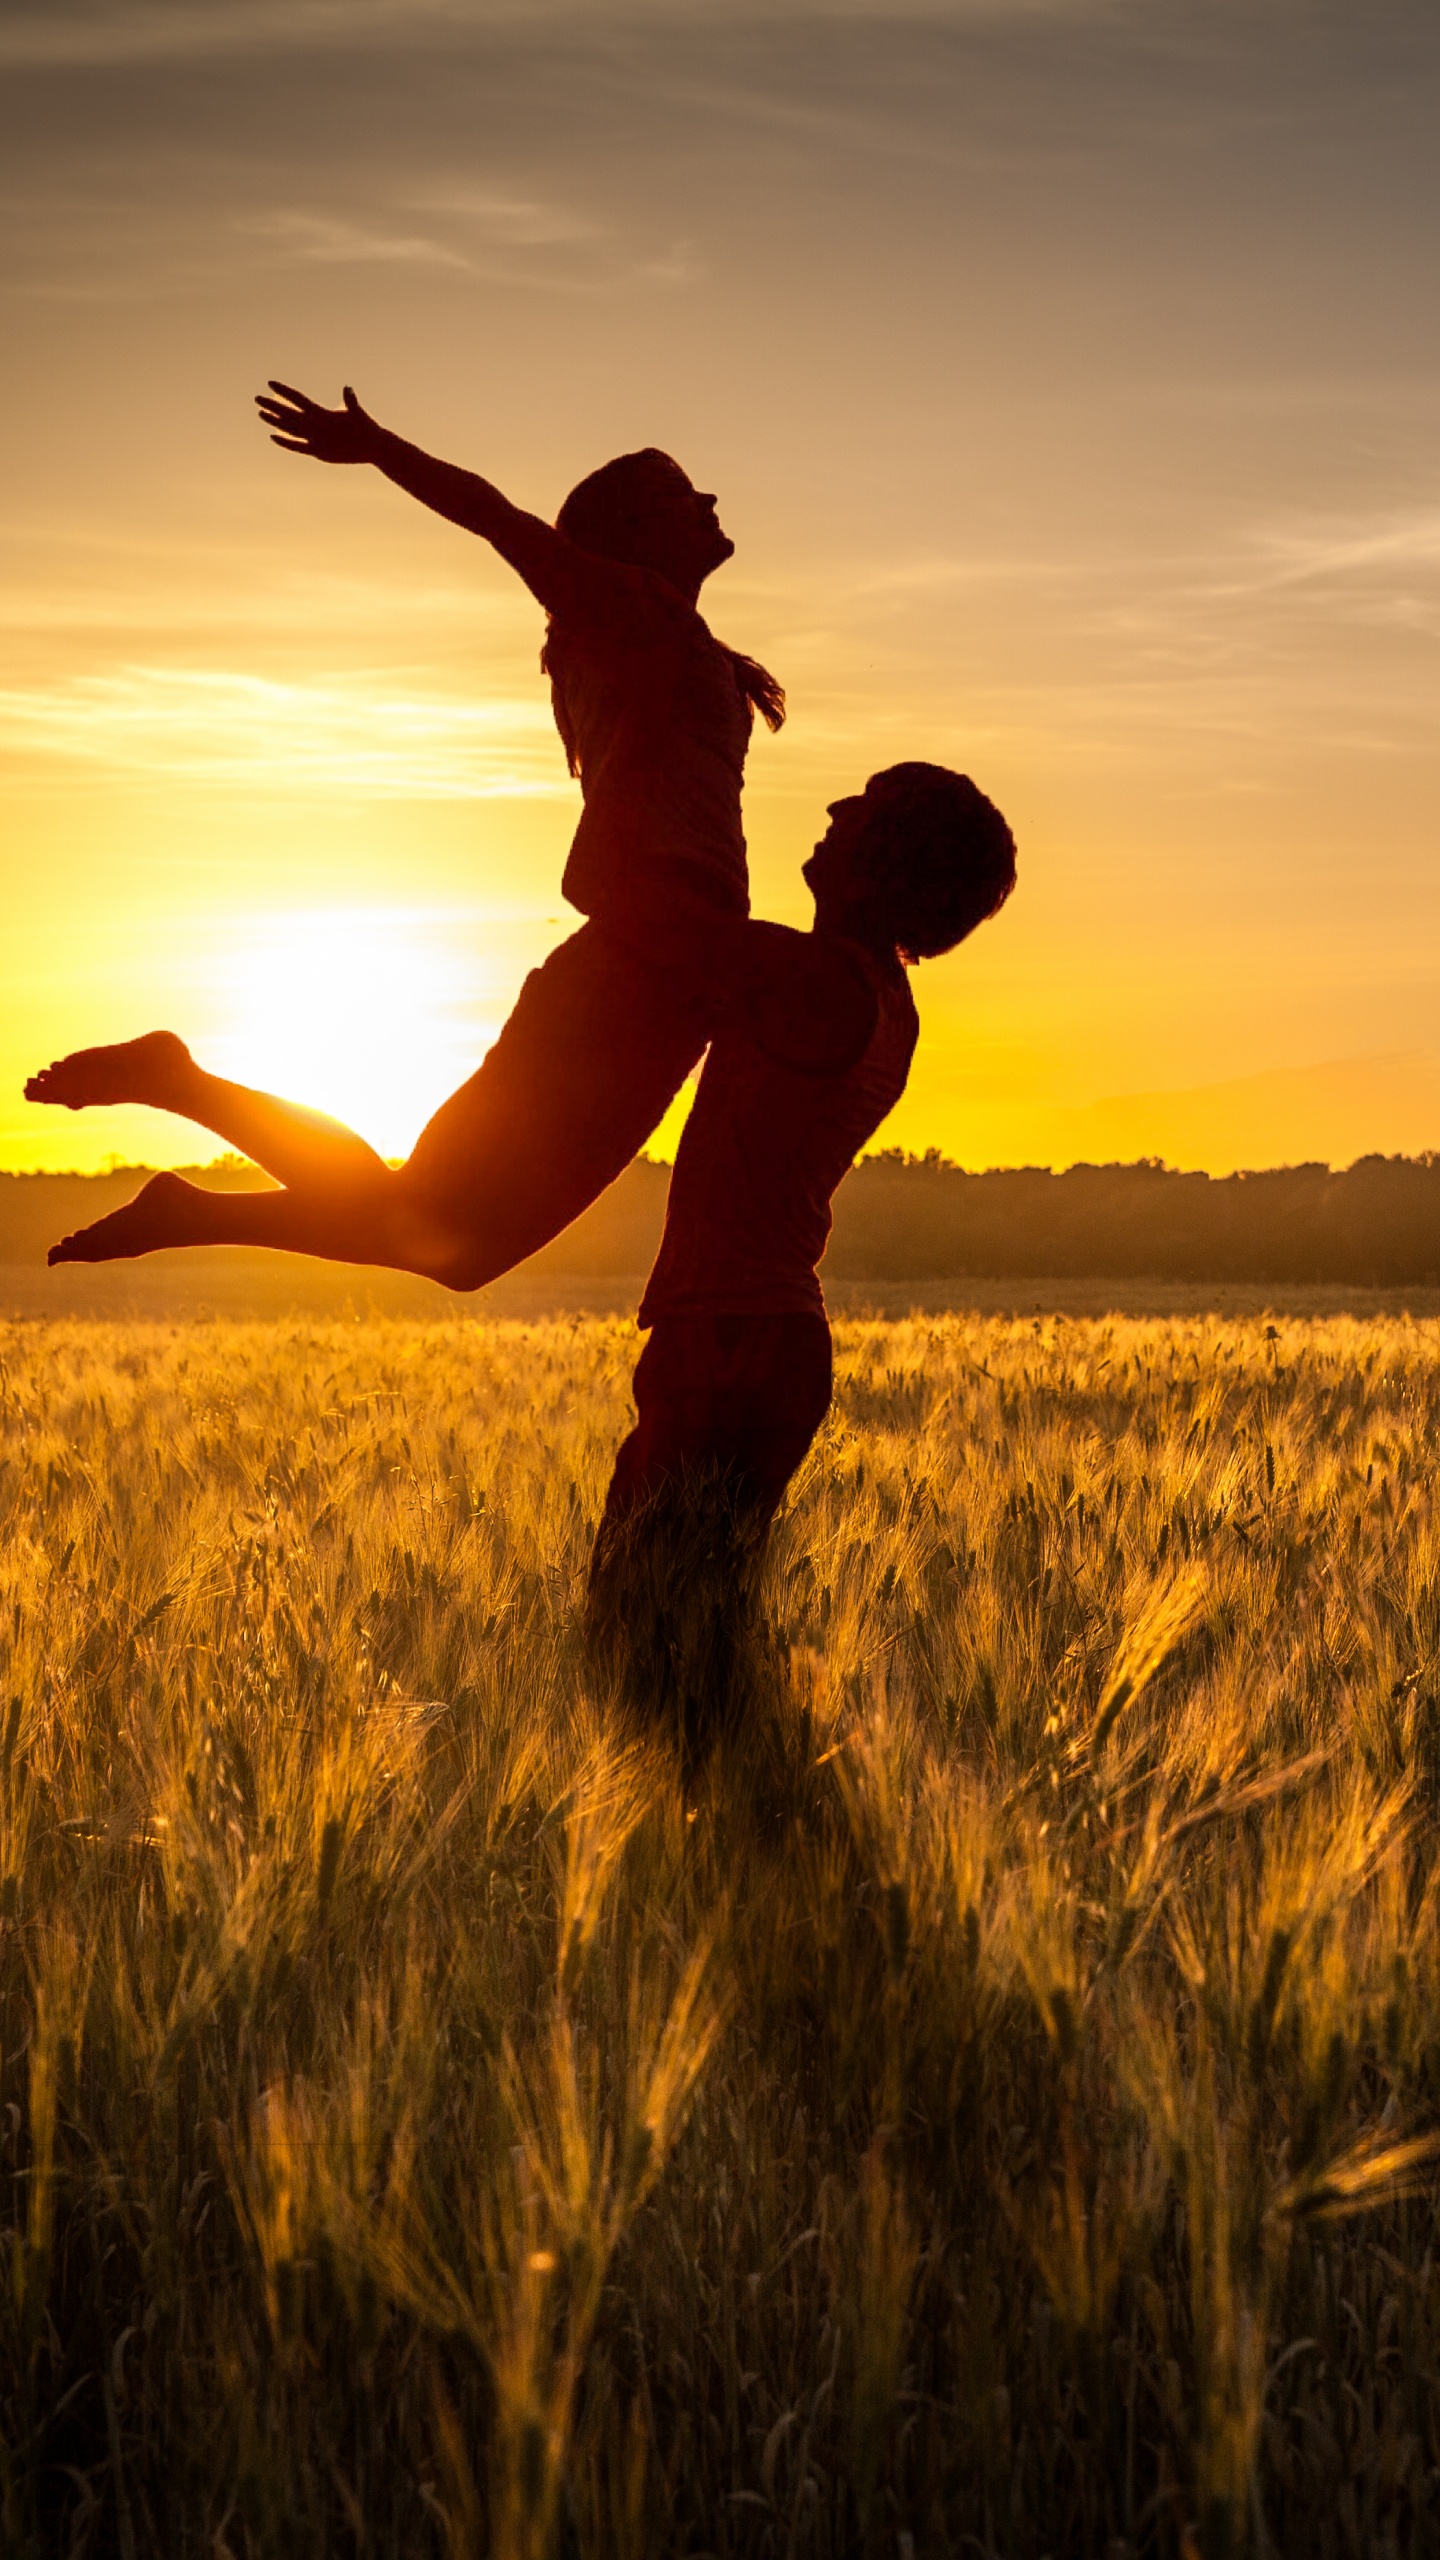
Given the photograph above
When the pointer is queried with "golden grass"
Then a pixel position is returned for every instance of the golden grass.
(988, 2110)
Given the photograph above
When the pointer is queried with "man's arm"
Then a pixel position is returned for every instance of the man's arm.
(561, 577)
(805, 1000)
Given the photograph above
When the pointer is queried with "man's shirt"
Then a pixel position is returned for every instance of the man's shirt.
(770, 1137)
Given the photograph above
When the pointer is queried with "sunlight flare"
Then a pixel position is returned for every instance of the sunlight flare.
(373, 1014)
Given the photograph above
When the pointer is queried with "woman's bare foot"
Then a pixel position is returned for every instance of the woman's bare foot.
(168, 1211)
(153, 1069)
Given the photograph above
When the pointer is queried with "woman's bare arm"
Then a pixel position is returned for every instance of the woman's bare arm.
(558, 575)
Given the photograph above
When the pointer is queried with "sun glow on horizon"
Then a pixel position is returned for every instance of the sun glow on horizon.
(373, 1014)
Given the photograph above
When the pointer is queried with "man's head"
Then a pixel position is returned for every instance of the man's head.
(916, 860)
(643, 509)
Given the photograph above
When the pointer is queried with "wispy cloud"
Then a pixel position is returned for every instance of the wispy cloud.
(1341, 548)
(345, 734)
(97, 32)
(95, 245)
(500, 238)
(327, 241)
(197, 590)
(79, 32)
(521, 222)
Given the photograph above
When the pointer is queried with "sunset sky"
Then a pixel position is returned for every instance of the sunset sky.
(1070, 379)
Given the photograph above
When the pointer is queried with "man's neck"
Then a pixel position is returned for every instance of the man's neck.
(852, 924)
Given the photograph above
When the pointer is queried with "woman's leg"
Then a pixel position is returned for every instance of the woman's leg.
(284, 1138)
(597, 1046)
(378, 1221)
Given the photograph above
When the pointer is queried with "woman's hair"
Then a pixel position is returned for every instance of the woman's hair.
(612, 513)
(941, 857)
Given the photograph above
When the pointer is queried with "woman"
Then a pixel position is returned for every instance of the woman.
(655, 715)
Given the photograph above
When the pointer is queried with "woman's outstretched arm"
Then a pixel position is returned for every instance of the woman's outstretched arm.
(556, 573)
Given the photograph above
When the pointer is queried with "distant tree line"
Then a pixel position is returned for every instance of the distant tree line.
(900, 1217)
(912, 1218)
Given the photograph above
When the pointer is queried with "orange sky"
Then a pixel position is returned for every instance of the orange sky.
(1069, 379)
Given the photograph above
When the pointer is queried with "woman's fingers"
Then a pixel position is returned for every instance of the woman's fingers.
(301, 425)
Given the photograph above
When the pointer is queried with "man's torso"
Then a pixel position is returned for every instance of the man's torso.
(764, 1148)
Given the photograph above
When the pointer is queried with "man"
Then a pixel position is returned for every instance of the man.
(735, 1379)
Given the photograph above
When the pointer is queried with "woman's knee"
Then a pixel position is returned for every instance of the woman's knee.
(461, 1275)
(450, 1255)
(450, 1261)
(430, 1239)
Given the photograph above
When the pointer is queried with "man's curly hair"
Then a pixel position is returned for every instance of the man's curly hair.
(941, 856)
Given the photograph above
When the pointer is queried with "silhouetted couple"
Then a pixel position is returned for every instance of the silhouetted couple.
(810, 1036)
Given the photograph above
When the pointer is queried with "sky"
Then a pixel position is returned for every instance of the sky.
(1070, 380)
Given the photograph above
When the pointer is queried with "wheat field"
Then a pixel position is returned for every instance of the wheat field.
(985, 2107)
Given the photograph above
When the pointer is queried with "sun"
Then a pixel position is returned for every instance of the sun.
(372, 1014)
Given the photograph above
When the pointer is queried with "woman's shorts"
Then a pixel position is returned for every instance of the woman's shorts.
(598, 1045)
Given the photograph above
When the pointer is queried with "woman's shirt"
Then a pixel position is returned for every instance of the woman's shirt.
(767, 1143)
(658, 726)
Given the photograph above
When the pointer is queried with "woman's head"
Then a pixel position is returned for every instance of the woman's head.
(642, 509)
(917, 859)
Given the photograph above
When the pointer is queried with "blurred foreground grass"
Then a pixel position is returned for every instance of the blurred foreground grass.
(987, 2112)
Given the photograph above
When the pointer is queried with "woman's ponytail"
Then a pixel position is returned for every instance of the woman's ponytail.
(755, 684)
(759, 688)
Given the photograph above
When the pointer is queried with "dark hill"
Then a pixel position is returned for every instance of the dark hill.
(922, 1218)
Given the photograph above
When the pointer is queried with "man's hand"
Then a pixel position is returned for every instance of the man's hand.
(327, 435)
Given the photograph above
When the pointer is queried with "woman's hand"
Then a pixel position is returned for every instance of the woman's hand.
(327, 435)
(559, 576)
